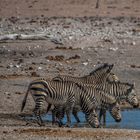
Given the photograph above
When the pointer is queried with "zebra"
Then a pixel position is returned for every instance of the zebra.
(88, 108)
(101, 100)
(53, 92)
(97, 99)
(121, 91)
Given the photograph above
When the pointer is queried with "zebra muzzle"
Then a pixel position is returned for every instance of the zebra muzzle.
(118, 120)
(136, 106)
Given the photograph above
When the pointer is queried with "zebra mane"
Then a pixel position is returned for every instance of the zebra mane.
(98, 68)
(129, 85)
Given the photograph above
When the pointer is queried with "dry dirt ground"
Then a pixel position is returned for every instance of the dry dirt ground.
(78, 37)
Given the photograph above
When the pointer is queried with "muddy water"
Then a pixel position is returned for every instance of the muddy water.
(130, 120)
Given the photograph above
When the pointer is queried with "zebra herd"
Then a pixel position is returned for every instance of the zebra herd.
(100, 90)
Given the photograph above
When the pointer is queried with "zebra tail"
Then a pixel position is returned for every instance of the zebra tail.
(40, 81)
(25, 99)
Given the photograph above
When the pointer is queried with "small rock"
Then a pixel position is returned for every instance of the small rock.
(18, 93)
(133, 43)
(40, 68)
(31, 54)
(113, 49)
(20, 61)
(30, 68)
(85, 63)
(70, 37)
(29, 48)
(5, 132)
(10, 65)
(17, 66)
(7, 93)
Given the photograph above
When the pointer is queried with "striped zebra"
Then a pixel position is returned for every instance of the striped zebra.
(59, 94)
(97, 99)
(121, 91)
(53, 92)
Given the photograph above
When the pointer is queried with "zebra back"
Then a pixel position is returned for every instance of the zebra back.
(97, 76)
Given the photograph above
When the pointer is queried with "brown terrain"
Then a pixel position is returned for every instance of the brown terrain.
(78, 36)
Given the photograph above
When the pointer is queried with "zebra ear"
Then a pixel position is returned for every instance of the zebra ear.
(133, 85)
(111, 66)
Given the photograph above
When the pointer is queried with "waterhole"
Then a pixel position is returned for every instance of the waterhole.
(130, 120)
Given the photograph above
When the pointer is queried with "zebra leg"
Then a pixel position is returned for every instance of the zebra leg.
(102, 114)
(53, 116)
(68, 118)
(92, 119)
(37, 110)
(75, 114)
(104, 118)
(60, 115)
(48, 108)
(39, 119)
(60, 123)
(57, 115)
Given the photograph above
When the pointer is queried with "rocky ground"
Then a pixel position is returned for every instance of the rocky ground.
(78, 36)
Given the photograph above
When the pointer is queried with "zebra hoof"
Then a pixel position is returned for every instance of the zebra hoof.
(119, 120)
(41, 124)
(67, 125)
(60, 124)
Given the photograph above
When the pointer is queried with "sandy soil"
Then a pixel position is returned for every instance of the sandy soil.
(79, 36)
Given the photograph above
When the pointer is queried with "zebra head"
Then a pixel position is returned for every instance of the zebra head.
(112, 77)
(132, 98)
(101, 73)
(115, 111)
(92, 119)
